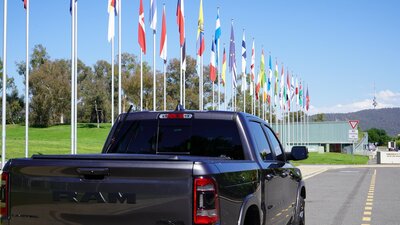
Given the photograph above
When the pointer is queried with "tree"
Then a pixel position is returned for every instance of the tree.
(378, 136)
(319, 117)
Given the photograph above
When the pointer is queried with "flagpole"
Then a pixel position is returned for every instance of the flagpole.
(219, 77)
(141, 80)
(201, 82)
(76, 78)
(27, 83)
(4, 101)
(165, 87)
(72, 79)
(119, 58)
(181, 80)
(154, 70)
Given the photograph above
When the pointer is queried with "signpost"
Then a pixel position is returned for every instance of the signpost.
(353, 134)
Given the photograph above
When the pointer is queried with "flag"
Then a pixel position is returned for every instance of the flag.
(282, 88)
(217, 35)
(153, 15)
(212, 63)
(301, 95)
(244, 57)
(262, 72)
(200, 36)
(163, 40)
(297, 92)
(292, 89)
(287, 97)
(70, 4)
(252, 65)
(276, 84)
(270, 74)
(26, 2)
(142, 31)
(223, 72)
(258, 87)
(232, 57)
(180, 20)
(112, 12)
(307, 100)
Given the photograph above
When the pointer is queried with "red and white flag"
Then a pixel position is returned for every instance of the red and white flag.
(163, 40)
(213, 67)
(142, 31)
(180, 19)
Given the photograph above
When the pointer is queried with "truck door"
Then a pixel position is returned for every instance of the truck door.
(285, 173)
(272, 183)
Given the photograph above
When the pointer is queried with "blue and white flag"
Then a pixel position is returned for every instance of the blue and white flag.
(153, 15)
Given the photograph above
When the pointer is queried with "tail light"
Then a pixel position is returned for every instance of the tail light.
(205, 202)
(4, 195)
(175, 116)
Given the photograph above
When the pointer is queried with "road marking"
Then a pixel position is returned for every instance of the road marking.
(367, 216)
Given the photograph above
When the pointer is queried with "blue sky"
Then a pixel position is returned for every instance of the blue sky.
(339, 48)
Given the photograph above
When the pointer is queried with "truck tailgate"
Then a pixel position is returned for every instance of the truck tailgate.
(101, 191)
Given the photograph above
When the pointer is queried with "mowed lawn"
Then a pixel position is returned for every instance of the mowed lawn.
(55, 139)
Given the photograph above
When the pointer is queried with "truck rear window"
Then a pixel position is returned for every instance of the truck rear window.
(209, 138)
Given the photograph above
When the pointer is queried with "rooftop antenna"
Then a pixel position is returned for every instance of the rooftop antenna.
(374, 102)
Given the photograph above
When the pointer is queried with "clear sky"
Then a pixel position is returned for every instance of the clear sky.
(340, 48)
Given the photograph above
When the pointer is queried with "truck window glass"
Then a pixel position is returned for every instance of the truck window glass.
(209, 138)
(274, 144)
(261, 141)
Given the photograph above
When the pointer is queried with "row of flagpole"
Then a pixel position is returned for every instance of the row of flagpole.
(114, 9)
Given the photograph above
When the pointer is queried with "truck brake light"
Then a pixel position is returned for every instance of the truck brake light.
(205, 201)
(175, 116)
(4, 195)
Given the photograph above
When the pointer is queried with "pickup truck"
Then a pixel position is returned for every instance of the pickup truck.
(163, 168)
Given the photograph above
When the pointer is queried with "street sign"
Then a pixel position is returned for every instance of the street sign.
(353, 123)
(353, 135)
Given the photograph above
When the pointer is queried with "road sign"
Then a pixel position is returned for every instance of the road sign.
(353, 123)
(353, 135)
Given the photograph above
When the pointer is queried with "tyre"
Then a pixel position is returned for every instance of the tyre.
(300, 216)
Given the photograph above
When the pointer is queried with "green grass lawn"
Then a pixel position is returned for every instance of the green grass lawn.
(332, 158)
(55, 139)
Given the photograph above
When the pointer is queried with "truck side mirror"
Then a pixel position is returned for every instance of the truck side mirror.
(297, 153)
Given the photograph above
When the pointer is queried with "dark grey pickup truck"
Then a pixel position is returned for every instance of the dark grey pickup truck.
(163, 168)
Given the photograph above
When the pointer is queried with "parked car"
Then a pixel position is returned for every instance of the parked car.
(163, 168)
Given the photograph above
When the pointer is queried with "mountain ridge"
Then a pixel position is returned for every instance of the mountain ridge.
(387, 119)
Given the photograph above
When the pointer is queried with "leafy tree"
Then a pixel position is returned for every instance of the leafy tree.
(319, 117)
(378, 135)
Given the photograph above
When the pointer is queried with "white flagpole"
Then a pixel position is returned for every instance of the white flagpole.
(4, 102)
(213, 97)
(165, 87)
(201, 82)
(154, 70)
(219, 77)
(73, 80)
(181, 81)
(27, 83)
(244, 92)
(112, 81)
(119, 59)
(76, 78)
(141, 80)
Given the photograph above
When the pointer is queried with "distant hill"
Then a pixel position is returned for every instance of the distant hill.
(387, 119)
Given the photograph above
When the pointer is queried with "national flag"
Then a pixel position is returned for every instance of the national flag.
(217, 35)
(212, 63)
(292, 89)
(232, 57)
(262, 72)
(244, 58)
(252, 65)
(153, 15)
(180, 20)
(163, 40)
(70, 4)
(26, 3)
(270, 74)
(282, 88)
(307, 100)
(287, 97)
(200, 36)
(258, 86)
(276, 88)
(142, 31)
(297, 92)
(223, 72)
(112, 12)
(301, 95)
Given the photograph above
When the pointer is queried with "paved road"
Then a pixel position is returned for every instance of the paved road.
(359, 196)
